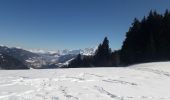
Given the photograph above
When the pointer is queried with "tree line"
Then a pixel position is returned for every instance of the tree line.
(147, 40)
(103, 57)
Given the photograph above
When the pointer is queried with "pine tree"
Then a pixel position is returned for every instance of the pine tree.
(102, 56)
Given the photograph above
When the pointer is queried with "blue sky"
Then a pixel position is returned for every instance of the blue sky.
(73, 24)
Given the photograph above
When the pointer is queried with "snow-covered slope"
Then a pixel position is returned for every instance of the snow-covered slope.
(25, 57)
(148, 81)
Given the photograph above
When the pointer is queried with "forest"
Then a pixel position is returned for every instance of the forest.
(147, 40)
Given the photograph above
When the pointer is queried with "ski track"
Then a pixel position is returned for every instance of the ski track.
(82, 84)
(160, 72)
(103, 91)
(65, 93)
(120, 81)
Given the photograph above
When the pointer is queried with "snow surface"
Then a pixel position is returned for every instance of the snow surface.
(150, 81)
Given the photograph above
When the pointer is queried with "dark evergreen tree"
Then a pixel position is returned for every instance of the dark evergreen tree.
(115, 58)
(102, 56)
(129, 46)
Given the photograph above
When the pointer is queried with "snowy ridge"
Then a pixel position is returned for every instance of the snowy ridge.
(149, 81)
(86, 51)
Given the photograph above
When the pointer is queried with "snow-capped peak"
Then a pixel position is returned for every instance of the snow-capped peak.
(86, 51)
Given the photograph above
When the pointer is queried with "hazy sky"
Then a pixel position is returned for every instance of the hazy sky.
(73, 24)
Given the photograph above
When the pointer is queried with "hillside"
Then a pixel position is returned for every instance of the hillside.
(149, 81)
(8, 62)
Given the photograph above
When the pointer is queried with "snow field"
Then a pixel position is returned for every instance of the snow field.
(148, 81)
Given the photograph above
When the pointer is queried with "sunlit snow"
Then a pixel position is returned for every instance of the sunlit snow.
(150, 81)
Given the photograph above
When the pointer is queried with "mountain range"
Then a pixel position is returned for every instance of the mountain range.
(38, 58)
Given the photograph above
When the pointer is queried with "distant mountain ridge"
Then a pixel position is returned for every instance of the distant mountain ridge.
(62, 57)
(86, 51)
(41, 58)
